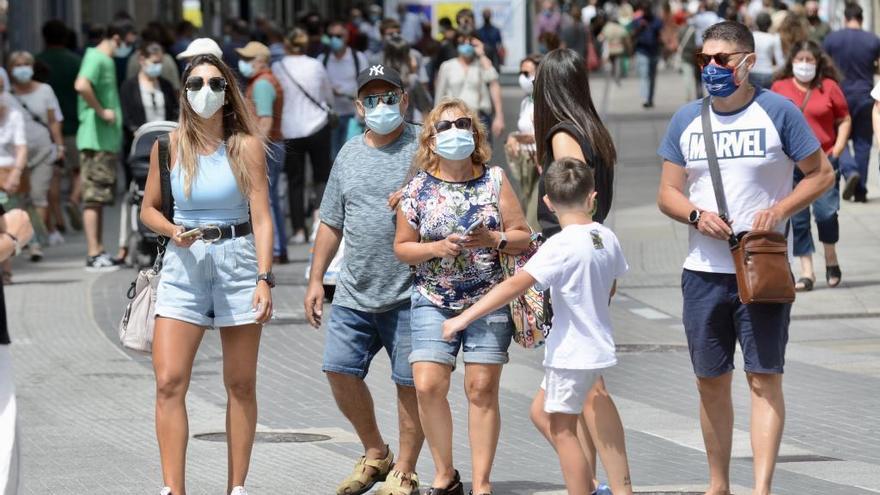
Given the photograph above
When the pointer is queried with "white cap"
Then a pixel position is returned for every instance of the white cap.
(201, 46)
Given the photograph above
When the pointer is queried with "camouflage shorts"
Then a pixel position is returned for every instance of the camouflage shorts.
(98, 175)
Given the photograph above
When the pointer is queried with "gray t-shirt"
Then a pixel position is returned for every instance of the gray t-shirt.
(356, 201)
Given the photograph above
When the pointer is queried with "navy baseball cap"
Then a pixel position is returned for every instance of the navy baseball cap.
(379, 73)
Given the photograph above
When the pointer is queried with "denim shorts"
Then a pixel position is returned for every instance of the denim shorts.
(354, 337)
(715, 319)
(209, 284)
(484, 341)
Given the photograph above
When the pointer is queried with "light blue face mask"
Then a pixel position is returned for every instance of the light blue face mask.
(22, 73)
(383, 119)
(123, 50)
(246, 68)
(153, 69)
(455, 144)
(336, 44)
(466, 50)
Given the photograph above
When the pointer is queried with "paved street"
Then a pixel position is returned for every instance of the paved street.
(86, 406)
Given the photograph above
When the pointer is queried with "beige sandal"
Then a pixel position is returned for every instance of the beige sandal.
(400, 483)
(363, 478)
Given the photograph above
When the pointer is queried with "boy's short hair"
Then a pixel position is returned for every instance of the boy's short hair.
(852, 12)
(568, 181)
(733, 32)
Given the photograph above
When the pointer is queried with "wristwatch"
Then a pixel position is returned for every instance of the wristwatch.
(268, 277)
(14, 243)
(694, 217)
(503, 242)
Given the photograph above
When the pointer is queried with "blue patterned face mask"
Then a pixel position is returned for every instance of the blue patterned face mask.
(721, 81)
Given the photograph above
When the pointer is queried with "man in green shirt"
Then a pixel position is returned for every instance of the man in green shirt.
(99, 136)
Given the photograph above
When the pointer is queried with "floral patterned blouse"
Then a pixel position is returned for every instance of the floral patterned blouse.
(437, 209)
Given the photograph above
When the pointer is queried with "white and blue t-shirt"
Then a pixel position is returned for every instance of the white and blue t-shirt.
(757, 149)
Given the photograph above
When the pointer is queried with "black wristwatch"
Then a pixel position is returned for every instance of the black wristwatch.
(268, 277)
(694, 217)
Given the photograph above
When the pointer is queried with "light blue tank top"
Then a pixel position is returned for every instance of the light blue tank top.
(215, 197)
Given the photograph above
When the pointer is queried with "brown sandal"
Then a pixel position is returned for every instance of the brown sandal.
(361, 481)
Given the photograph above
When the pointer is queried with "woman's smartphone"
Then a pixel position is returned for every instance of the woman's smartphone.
(473, 227)
(191, 233)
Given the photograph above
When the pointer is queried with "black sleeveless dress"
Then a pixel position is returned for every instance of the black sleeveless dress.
(603, 174)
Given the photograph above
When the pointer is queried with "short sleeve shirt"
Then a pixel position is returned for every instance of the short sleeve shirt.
(355, 201)
(579, 264)
(757, 148)
(12, 134)
(264, 98)
(854, 52)
(38, 102)
(438, 209)
(469, 83)
(825, 108)
(94, 133)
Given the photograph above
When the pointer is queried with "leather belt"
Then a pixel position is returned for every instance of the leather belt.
(214, 233)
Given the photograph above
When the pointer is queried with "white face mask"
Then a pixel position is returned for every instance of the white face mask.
(205, 102)
(527, 84)
(805, 72)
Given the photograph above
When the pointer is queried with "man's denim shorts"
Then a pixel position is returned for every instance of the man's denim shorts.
(355, 337)
(715, 319)
(209, 284)
(484, 341)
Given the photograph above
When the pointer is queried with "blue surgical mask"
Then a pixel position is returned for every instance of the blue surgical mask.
(246, 68)
(123, 50)
(383, 119)
(23, 73)
(466, 50)
(721, 81)
(455, 144)
(153, 69)
(336, 44)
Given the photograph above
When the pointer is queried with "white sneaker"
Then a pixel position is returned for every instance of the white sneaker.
(298, 238)
(55, 238)
(165, 491)
(238, 490)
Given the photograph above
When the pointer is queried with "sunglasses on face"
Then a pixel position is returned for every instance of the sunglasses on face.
(389, 98)
(195, 83)
(459, 123)
(722, 59)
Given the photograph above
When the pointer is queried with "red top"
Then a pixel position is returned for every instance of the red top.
(826, 107)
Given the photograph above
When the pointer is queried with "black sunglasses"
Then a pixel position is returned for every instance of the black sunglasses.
(389, 98)
(721, 59)
(459, 123)
(195, 83)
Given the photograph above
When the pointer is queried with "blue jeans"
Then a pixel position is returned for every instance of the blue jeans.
(355, 337)
(339, 135)
(275, 164)
(647, 67)
(485, 341)
(857, 161)
(824, 209)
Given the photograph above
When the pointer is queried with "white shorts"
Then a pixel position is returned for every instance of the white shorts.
(565, 390)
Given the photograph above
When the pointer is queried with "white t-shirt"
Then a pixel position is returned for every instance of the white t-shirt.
(11, 134)
(768, 52)
(580, 264)
(301, 117)
(343, 77)
(757, 147)
(526, 121)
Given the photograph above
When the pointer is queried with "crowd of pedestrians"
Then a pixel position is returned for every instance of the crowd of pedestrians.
(397, 129)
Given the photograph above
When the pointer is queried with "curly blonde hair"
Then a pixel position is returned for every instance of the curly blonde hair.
(429, 161)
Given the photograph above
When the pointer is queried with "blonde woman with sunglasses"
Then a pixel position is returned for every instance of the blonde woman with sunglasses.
(217, 270)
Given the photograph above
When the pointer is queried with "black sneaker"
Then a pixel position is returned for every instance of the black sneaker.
(101, 263)
(850, 185)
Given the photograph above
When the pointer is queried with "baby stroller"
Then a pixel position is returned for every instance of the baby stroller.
(142, 243)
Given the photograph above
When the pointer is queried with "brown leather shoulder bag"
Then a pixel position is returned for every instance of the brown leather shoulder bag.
(763, 274)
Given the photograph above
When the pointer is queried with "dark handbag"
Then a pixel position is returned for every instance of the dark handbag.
(763, 274)
(332, 117)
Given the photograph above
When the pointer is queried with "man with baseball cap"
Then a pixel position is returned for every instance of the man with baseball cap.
(371, 308)
(266, 97)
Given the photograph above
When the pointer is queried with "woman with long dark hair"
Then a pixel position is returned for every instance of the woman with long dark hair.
(567, 125)
(220, 277)
(810, 79)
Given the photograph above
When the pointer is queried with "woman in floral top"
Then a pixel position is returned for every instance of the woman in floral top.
(453, 191)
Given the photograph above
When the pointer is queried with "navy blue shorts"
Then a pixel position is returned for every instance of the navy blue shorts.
(715, 319)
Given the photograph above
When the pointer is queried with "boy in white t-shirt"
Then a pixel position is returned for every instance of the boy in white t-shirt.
(580, 265)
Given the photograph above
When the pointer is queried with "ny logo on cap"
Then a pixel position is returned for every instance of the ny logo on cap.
(377, 70)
